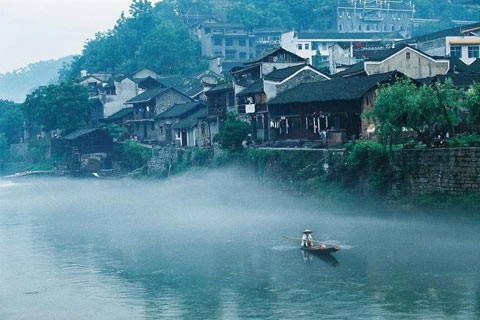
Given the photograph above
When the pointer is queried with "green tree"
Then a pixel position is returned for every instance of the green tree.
(152, 36)
(11, 121)
(134, 154)
(115, 130)
(3, 146)
(472, 103)
(425, 110)
(65, 106)
(233, 133)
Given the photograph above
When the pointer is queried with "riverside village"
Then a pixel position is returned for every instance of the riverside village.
(242, 159)
(307, 94)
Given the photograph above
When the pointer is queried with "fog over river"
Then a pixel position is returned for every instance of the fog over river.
(210, 245)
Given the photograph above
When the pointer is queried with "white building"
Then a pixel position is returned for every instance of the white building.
(337, 50)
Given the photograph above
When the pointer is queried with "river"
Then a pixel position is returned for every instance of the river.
(210, 245)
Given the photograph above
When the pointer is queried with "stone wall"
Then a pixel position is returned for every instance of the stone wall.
(452, 171)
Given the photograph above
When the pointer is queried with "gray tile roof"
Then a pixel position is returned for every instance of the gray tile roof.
(281, 74)
(191, 121)
(452, 32)
(120, 113)
(78, 133)
(147, 95)
(330, 90)
(178, 110)
(256, 87)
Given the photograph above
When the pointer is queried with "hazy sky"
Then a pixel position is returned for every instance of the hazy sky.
(34, 30)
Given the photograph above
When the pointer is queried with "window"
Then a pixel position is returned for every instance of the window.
(217, 42)
(242, 43)
(456, 51)
(300, 46)
(230, 54)
(242, 55)
(228, 42)
(407, 55)
(473, 52)
(307, 46)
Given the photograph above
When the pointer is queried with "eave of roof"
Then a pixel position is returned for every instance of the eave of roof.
(254, 88)
(120, 113)
(179, 110)
(78, 133)
(330, 90)
(191, 121)
(456, 31)
(220, 88)
(147, 95)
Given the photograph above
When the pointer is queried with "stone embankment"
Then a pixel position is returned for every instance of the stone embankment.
(454, 171)
(450, 170)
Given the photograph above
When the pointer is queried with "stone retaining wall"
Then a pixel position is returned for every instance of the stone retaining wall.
(452, 171)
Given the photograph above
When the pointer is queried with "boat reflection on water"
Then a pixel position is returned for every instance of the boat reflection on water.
(326, 257)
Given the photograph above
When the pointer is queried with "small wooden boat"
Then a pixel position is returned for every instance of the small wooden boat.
(321, 249)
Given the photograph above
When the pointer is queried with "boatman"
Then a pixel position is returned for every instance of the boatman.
(307, 239)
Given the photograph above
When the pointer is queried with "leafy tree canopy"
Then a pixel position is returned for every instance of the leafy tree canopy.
(472, 102)
(152, 36)
(424, 110)
(65, 106)
(11, 121)
(233, 133)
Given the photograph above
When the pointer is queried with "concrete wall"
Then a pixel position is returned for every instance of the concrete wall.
(409, 62)
(452, 171)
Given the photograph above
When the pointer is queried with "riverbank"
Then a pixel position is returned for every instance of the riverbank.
(362, 172)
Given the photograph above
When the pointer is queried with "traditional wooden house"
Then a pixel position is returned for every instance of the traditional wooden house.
(121, 118)
(254, 70)
(220, 101)
(90, 150)
(93, 140)
(253, 99)
(149, 104)
(192, 131)
(323, 111)
(165, 121)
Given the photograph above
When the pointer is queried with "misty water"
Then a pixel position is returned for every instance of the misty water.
(210, 245)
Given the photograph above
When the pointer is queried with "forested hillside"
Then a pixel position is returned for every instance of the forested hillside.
(16, 84)
(156, 35)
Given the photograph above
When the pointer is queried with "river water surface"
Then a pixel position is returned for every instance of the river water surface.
(209, 245)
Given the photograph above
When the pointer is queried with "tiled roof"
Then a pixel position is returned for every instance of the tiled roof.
(273, 51)
(452, 32)
(462, 80)
(474, 67)
(78, 133)
(336, 89)
(224, 87)
(191, 121)
(256, 87)
(152, 93)
(356, 69)
(121, 113)
(178, 110)
(195, 90)
(281, 74)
